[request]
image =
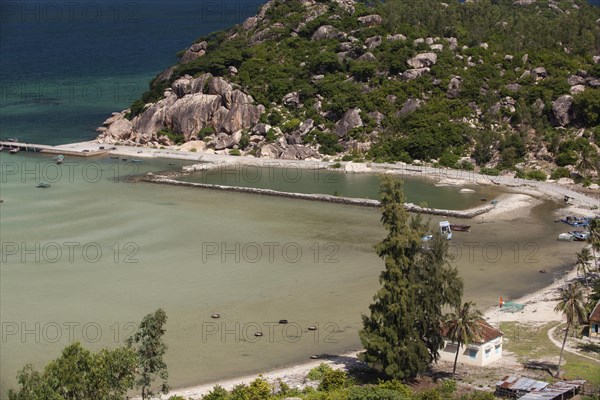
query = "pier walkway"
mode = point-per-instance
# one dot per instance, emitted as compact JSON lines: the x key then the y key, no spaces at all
{"x":42,"y":148}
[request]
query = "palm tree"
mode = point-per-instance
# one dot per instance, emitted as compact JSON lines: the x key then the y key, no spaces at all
{"x":464,"y":326}
{"x":572,"y":306}
{"x":583,"y":259}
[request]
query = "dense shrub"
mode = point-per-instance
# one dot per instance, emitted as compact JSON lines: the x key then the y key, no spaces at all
{"x":176,"y":138}
{"x":334,"y":379}
{"x":490,"y":171}
{"x":560,"y":172}
{"x":536,"y":175}
{"x":587,"y":106}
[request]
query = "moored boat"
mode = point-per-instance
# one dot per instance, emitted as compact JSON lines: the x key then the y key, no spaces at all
{"x":446,"y":230}
{"x":576,"y":221}
{"x":460,"y":228}
{"x":43,"y":185}
{"x":14,"y":151}
{"x":580,"y":236}
{"x":566,"y":237}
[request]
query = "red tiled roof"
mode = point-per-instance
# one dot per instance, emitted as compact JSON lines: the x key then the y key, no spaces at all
{"x":595,"y":315}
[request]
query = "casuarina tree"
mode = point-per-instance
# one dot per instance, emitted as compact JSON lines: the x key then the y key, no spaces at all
{"x":402,"y":334}
{"x":150,"y":347}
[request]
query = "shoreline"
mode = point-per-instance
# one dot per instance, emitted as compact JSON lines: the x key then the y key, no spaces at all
{"x":581,"y":203}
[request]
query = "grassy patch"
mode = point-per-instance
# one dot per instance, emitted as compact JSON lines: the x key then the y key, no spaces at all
{"x":530,"y":343}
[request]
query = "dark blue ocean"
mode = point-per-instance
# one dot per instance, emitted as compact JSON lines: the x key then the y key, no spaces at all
{"x":65,"y":65}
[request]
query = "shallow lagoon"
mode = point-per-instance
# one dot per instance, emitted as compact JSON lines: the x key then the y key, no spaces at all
{"x":291,"y":178}
{"x":253,"y":259}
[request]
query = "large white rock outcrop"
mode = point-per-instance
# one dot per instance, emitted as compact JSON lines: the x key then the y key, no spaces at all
{"x":561,"y":108}
{"x":350,"y":120}
{"x":191,"y":105}
{"x":422,"y":60}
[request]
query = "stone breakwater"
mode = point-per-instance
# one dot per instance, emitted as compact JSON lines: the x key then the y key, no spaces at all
{"x":470,"y":213}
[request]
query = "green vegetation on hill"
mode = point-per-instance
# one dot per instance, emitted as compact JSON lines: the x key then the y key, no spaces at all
{"x":485,"y":97}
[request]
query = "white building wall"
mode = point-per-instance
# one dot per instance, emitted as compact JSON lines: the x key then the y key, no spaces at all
{"x":478,"y":355}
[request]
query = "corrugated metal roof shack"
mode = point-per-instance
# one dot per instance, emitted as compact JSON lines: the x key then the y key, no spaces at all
{"x":529,"y":389}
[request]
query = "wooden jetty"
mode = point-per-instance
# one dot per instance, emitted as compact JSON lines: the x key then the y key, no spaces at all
{"x":47,"y":149}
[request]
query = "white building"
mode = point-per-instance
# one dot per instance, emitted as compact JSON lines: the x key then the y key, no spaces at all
{"x":487,"y":349}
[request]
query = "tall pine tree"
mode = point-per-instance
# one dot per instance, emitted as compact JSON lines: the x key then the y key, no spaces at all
{"x":402,"y":334}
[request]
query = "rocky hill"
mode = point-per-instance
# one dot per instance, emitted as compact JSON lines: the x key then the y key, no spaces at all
{"x":502,"y":84}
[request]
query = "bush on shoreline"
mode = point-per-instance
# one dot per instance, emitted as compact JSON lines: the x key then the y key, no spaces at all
{"x":335,"y":384}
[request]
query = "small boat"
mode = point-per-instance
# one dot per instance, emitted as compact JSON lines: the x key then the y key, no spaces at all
{"x":13,"y":140}
{"x":566,"y":237}
{"x":14,"y":151}
{"x":460,"y":228}
{"x":59,"y":162}
{"x":575,"y":221}
{"x":124,"y":159}
{"x":446,"y":230}
{"x":59,"y":159}
{"x":134,"y":160}
{"x":43,"y":185}
{"x":114,"y":157}
{"x":580,"y":236}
